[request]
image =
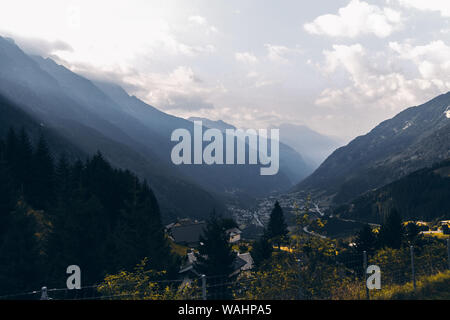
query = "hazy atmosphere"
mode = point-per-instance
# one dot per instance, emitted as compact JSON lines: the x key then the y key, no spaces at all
{"x":339,"y":67}
{"x":263,"y":153}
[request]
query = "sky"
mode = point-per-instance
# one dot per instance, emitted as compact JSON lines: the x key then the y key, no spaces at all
{"x":337,"y":66}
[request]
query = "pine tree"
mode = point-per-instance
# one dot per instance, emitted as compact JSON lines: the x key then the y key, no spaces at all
{"x":11,"y":147}
{"x":216,"y":256}
{"x":277,"y":228}
{"x":6,"y":190}
{"x":24,"y":158}
{"x":76,"y":175}
{"x":18,"y":157}
{"x":62,"y":178}
{"x":262,"y":250}
{"x":366,"y":240}
{"x":412,"y":233}
{"x":20,"y":263}
{"x":80,"y":234}
{"x":140,"y":233}
{"x":42,"y":183}
{"x":392,"y":231}
{"x":159,"y":248}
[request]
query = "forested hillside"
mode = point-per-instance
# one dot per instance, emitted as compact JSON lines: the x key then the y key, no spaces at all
{"x":54,"y":213}
{"x":423,"y":194}
{"x":82,"y":116}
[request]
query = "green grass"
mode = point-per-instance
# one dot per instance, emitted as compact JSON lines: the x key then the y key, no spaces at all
{"x":435,"y":287}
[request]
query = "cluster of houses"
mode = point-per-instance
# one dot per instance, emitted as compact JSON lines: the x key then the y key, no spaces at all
{"x":187,"y":232}
{"x":442,"y":228}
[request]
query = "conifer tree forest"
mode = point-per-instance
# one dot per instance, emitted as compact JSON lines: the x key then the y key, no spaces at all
{"x":55,"y":213}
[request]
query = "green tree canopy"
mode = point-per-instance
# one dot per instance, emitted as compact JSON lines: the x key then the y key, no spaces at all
{"x":216,"y":256}
{"x":392,"y":231}
{"x":366,"y":240}
{"x":262,"y":250}
{"x":277,"y":226}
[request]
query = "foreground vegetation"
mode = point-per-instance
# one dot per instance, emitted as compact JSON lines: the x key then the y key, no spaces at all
{"x":434,"y":287}
{"x":298,"y":266}
{"x":54,"y":214}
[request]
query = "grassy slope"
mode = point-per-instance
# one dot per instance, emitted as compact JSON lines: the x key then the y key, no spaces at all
{"x":435,"y":287}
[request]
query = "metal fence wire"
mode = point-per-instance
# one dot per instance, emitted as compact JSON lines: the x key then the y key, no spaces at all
{"x":405,"y":266}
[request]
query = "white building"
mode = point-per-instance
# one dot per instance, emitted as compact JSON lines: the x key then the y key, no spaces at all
{"x":234,"y":235}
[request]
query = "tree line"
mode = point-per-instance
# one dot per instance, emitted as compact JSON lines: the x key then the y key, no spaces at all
{"x":55,"y":212}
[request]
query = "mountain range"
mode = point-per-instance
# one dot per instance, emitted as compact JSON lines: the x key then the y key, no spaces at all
{"x":83,"y":116}
{"x":313,"y":146}
{"x":96,"y":116}
{"x":416,"y":138}
{"x":291,"y":161}
{"x":80,"y":117}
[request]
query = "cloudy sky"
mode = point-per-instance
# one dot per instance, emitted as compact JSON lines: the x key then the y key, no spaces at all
{"x":338,"y":66}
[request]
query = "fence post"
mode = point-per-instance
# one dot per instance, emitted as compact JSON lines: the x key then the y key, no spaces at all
{"x":44,"y":294}
{"x":412,"y":267}
{"x":300,"y":292}
{"x":365,"y":274}
{"x":448,"y":252}
{"x":204,"y":287}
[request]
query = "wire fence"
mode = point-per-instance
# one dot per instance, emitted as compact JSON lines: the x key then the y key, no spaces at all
{"x":341,"y":277}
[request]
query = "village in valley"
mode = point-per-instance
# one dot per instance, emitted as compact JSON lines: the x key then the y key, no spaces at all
{"x":185,"y":234}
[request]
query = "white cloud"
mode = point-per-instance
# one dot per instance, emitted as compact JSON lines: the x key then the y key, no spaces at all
{"x":193,"y":51}
{"x":201,"y":21}
{"x":39,"y":46}
{"x":145,"y":32}
{"x":246,"y":57}
{"x":247,"y":117}
{"x":171,"y":54}
{"x":443,"y":6}
{"x":356,"y":19}
{"x":279,"y":53}
{"x":275,"y":53}
{"x":432,"y":59}
{"x":198,"y":20}
{"x":348,"y":57}
{"x":180,"y":89}
{"x":377,"y":83}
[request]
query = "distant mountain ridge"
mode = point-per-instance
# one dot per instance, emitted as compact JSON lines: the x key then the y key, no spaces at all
{"x":313,"y":146}
{"x":291,"y":161}
{"x":219,"y":124}
{"x":220,"y":179}
{"x":415,"y":138}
